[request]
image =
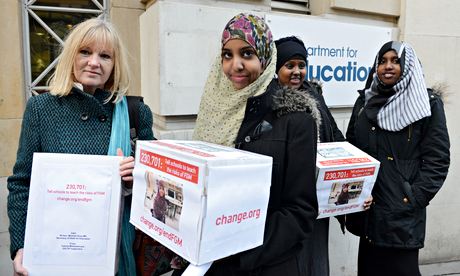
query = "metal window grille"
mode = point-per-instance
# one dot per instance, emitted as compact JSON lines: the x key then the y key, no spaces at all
{"x":45,"y":25}
{"x":295,"y":6}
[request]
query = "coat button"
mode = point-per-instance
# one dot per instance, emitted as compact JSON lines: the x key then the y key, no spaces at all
{"x":247,"y":139}
{"x":102,"y":118}
{"x":253,"y":109}
{"x":405,"y":200}
{"x":84,"y":116}
{"x":373,"y":128}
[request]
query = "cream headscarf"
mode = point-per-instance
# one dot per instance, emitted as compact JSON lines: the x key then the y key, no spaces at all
{"x":222,"y":107}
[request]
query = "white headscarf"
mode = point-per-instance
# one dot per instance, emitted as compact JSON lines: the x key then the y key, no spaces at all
{"x":410,"y":101}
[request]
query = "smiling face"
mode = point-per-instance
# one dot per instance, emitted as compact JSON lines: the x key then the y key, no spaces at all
{"x":389,"y":69}
{"x":292,"y":73}
{"x":240,"y":63}
{"x":93,"y":66}
{"x":161,"y":191}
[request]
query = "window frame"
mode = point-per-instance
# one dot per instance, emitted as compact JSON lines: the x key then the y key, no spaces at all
{"x":294,"y":6}
{"x":28,"y":9}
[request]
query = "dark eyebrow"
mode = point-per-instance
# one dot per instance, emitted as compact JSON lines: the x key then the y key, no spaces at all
{"x":247,"y":48}
{"x":242,"y":49}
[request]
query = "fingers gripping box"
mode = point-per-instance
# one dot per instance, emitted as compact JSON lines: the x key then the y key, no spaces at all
{"x":203,"y":201}
{"x":345,"y":178}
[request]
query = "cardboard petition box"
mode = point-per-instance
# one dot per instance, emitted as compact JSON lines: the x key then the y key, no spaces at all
{"x":215,"y":197}
{"x":345,"y":178}
{"x":73,"y":215}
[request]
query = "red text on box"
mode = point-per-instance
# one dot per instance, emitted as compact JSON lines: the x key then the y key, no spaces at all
{"x":170,"y":166}
{"x":346,"y":161}
{"x":350,"y":173}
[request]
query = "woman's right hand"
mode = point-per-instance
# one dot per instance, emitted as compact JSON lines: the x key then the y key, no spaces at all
{"x":368,"y":203}
{"x":126,"y":169}
{"x":19,"y":270}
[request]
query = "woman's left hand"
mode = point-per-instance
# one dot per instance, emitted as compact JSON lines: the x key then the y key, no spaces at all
{"x":126,"y":169}
{"x":368,"y":202}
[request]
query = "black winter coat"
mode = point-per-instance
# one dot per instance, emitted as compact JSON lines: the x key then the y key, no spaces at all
{"x":329,"y":132}
{"x":316,"y":249}
{"x":280,"y":123}
{"x":413,"y":166}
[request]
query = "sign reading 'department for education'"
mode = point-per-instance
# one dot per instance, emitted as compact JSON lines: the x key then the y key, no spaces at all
{"x":340,"y":55}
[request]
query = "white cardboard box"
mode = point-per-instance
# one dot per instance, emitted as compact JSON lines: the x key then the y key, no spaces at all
{"x":216,"y":196}
{"x":345,"y":178}
{"x":73,"y":215}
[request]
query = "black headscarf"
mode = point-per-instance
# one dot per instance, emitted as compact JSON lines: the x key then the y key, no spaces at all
{"x":393,"y":107}
{"x":289,"y":48}
{"x":384,"y":91}
{"x":400,"y":50}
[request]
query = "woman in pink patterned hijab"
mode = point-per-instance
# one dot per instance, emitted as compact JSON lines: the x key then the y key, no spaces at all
{"x":254,"y":31}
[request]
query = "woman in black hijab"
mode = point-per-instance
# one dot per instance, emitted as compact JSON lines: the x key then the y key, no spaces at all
{"x":402,"y":124}
{"x":291,"y":68}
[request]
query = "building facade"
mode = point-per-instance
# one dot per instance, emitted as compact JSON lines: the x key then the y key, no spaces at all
{"x":158,"y":35}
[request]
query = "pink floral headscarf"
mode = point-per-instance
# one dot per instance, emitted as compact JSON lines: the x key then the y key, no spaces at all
{"x":254,"y":31}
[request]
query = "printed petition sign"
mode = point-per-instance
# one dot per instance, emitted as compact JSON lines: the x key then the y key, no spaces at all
{"x":340,"y":55}
{"x":73,"y":214}
{"x":203,"y":201}
{"x":345,"y":178}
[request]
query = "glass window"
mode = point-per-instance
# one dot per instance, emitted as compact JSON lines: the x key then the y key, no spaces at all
{"x":294,"y":6}
{"x":85,"y":4}
{"x":46,"y":23}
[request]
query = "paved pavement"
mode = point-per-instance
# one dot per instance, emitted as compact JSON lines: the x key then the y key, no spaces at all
{"x":438,"y":269}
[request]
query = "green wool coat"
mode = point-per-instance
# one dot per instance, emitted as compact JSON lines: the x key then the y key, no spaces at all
{"x":79,"y":123}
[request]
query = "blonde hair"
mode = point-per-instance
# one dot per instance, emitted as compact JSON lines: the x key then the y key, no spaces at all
{"x":98,"y":31}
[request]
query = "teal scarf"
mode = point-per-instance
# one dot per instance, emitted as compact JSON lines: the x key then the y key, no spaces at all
{"x":120,"y":138}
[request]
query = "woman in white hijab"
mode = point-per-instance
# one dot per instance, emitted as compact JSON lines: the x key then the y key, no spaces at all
{"x":402,"y":124}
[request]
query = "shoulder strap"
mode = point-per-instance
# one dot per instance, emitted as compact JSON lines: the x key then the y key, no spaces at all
{"x":133,"y":111}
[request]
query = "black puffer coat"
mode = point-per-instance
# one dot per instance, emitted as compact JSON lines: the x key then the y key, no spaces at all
{"x":281,"y":123}
{"x":414,"y":165}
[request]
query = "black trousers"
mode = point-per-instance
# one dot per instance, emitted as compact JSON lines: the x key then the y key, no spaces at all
{"x":382,"y":261}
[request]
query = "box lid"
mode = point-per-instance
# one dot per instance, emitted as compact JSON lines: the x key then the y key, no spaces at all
{"x":340,"y":154}
{"x":208,"y":153}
